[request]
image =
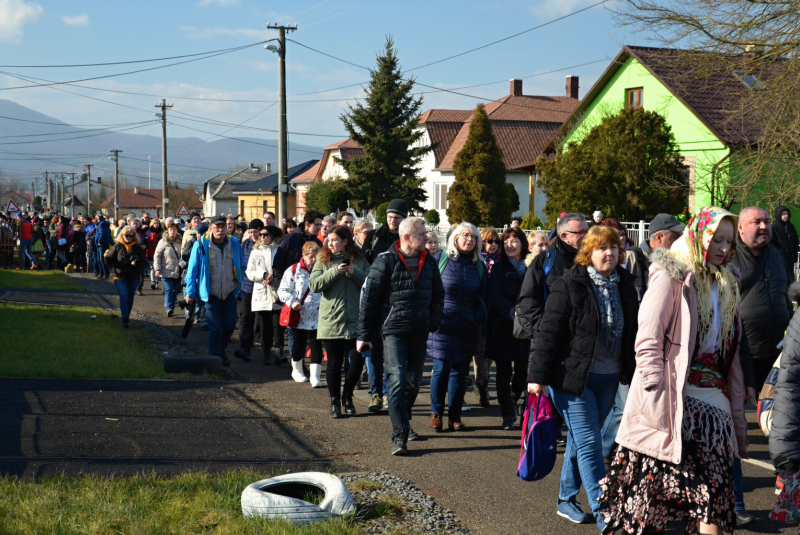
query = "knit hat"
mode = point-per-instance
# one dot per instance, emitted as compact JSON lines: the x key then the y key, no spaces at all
{"x":597,"y":213}
{"x":398,"y":206}
{"x":256,"y":224}
{"x":272,"y":230}
{"x":202,"y":229}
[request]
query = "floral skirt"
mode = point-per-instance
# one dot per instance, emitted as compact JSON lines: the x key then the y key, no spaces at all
{"x":787,"y":507}
{"x":643,"y":492}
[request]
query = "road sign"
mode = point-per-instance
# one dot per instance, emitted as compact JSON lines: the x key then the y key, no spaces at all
{"x":183,"y":211}
{"x":12,"y":207}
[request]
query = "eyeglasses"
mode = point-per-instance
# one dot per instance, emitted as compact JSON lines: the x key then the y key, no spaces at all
{"x":579,"y":233}
{"x":492,"y":241}
{"x":469,"y":237}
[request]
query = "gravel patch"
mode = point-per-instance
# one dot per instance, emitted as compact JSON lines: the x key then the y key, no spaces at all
{"x":387,"y":503}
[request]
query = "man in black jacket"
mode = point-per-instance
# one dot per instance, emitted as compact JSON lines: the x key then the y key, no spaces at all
{"x":784,"y":237}
{"x":290,"y":250}
{"x":403,"y":296}
{"x":380,"y":240}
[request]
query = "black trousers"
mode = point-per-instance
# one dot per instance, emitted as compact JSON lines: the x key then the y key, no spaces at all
{"x":509,"y":389}
{"x":761,"y":369}
{"x":246,"y":320}
{"x":304,"y":339}
{"x":338,"y":351}
{"x":271,"y":330}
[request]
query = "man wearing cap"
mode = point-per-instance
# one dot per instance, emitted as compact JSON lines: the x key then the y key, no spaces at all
{"x":290,"y":250}
{"x":246,"y":315}
{"x":664,"y":230}
{"x":215,"y":275}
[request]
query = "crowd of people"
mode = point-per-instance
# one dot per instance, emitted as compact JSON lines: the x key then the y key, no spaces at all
{"x":648,"y":352}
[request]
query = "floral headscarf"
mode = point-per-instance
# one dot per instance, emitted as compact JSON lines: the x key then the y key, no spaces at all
{"x":701,"y":229}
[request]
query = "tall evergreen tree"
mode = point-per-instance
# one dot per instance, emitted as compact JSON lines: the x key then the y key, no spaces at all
{"x":480,"y":194}
{"x":384,"y":125}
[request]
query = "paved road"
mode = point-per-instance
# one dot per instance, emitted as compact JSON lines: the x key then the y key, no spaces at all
{"x":260,"y":417}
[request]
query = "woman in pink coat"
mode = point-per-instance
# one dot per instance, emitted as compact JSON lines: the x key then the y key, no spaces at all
{"x":684,"y":419}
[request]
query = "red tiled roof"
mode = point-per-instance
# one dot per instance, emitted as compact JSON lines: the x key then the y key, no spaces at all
{"x":146,"y":199}
{"x":350,"y":153}
{"x":307,"y":176}
{"x":444,"y":116}
{"x":345,"y":143}
{"x":532,"y":108}
{"x":442,"y":136}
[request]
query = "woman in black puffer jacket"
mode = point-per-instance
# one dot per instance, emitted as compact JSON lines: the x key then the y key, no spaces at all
{"x":126,"y":259}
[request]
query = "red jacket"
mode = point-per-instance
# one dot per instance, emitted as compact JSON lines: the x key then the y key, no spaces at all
{"x":25,"y":230}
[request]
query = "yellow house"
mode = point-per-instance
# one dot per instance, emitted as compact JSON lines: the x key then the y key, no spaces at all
{"x":255,"y":198}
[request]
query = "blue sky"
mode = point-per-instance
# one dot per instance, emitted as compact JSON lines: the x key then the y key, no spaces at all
{"x":48,"y":32}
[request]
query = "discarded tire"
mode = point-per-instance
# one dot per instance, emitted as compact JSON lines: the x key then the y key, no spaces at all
{"x":282,"y":497}
{"x":193,"y":364}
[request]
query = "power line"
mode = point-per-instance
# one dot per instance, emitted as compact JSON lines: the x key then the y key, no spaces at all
{"x":223,"y":123}
{"x":172,"y":164}
{"x":62,"y":133}
{"x":76,"y":137}
{"x":242,"y":140}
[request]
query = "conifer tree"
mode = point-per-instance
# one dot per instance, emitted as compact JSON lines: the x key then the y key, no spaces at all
{"x":480,"y":194}
{"x":384,"y":126}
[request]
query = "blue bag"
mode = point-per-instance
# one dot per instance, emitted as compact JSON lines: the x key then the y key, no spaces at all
{"x":539,"y":432}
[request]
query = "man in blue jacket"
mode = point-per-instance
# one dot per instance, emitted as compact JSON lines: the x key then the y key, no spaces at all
{"x":102,"y":241}
{"x":214,"y":275}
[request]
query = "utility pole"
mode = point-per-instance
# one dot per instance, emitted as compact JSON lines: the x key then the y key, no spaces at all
{"x":88,"y":188}
{"x":116,"y":181}
{"x":63,"y":208}
{"x":163,"y":115}
{"x":283,"y":149}
{"x":148,"y":173}
{"x":72,"y":200}
{"x":49,"y":190}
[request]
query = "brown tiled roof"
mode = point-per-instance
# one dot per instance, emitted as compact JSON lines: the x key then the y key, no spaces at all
{"x":146,"y":199}
{"x":350,"y":153}
{"x":307,"y":176}
{"x":442,"y":135}
{"x":532,"y":108}
{"x":345,"y":143}
{"x":444,"y":116}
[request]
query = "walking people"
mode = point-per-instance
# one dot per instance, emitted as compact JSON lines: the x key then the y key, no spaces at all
{"x":509,"y":353}
{"x":25,"y":231}
{"x":432,"y":246}
{"x":295,"y":293}
{"x":583,"y":348}
{"x":338,"y":275}
{"x":125,"y":258}
{"x":481,"y":364}
{"x":244,"y":305}
{"x":265,"y":300}
{"x":537,"y":242}
{"x":166,"y":266}
{"x":360,"y":231}
{"x":402,"y":300}
{"x":452,"y":345}
{"x":784,"y":237}
{"x":154,"y":232}
{"x":214,"y":276}
{"x":290,"y":250}
{"x":64,"y":241}
{"x":684,"y":419}
{"x":78,"y":247}
{"x":102,"y":241}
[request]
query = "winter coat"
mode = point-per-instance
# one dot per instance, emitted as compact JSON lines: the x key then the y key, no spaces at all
{"x":784,"y":239}
{"x":378,"y":241}
{"x":53,"y":231}
{"x":784,"y":436}
{"x":167,"y":259}
{"x":198,"y":284}
{"x":665,"y":343}
{"x":247,"y":248}
{"x":531,"y":295}
{"x":259,"y":266}
{"x":102,"y":235}
{"x":564,"y":344}
{"x":153,"y":239}
{"x":63,"y":234}
{"x":766,"y":310}
{"x":291,"y":290}
{"x":119,"y":259}
{"x":79,"y":239}
{"x":466,"y":292}
{"x":393,"y":304}
{"x":639,"y":267}
{"x":504,"y":286}
{"x":338,"y":309}
{"x":290,"y":250}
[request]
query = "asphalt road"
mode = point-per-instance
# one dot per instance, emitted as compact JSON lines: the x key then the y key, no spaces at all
{"x":260,"y":418}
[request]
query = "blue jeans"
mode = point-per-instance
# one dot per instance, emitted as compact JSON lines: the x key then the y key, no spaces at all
{"x":51,"y":252}
{"x":25,"y":252}
{"x":614,"y":418}
{"x":583,"y":415}
{"x":221,"y":317}
{"x":171,"y":288}
{"x":738,"y":485}
{"x":102,"y":267}
{"x":404,"y":361}
{"x":375,"y":367}
{"x":450,"y":379}
{"x":126,"y":291}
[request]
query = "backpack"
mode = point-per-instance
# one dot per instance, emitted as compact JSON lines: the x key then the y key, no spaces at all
{"x":549,"y":260}
{"x":766,"y":398}
{"x":480,"y":266}
{"x":539,"y":432}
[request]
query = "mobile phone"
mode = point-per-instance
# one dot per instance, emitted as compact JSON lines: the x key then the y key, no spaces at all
{"x":346,"y":261}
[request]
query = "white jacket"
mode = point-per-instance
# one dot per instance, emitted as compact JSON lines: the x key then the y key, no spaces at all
{"x":258,"y":267}
{"x":291,"y":290}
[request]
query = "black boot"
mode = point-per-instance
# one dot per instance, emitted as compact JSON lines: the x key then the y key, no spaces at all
{"x":347,"y":402}
{"x":483,"y":392}
{"x":336,"y":411}
{"x":267,"y":357}
{"x":277,"y":358}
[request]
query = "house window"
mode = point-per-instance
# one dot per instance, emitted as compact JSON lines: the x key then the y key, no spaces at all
{"x":440,"y":196}
{"x":635,"y":98}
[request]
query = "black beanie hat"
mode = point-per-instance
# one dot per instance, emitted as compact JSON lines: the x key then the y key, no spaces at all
{"x":272,"y":230}
{"x":398,"y":206}
{"x":256,"y":224}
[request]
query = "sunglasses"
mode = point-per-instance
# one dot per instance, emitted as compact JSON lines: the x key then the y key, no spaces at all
{"x":493,"y":241}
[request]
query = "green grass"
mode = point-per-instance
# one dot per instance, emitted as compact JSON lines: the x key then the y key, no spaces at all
{"x":64,"y":342}
{"x":365,"y":484}
{"x":38,"y":280}
{"x":189,"y":503}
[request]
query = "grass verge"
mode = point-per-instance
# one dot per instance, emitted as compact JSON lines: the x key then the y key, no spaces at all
{"x":38,"y":280}
{"x":64,"y":342}
{"x":193,"y":502}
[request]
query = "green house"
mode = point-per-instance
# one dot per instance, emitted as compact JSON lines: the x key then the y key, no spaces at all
{"x":702,"y":110}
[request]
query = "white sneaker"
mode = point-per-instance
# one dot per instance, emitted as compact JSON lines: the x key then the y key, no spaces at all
{"x":316,"y":373}
{"x":297,"y":372}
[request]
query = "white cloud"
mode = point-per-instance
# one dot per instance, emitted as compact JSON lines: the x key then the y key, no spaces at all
{"x":223,"y":3}
{"x":209,"y":33}
{"x":14,"y":14}
{"x":76,"y":20}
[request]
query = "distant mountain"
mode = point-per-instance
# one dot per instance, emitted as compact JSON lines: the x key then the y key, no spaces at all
{"x":19,"y":126}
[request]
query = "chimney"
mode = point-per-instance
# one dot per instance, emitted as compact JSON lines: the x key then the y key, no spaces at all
{"x":572,"y":86}
{"x":753,"y":51}
{"x":516,"y":87}
{"x":268,"y":167}
{"x":252,"y":165}
{"x":136,"y":191}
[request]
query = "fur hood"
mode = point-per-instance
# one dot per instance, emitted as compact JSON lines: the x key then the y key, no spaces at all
{"x":529,"y":259}
{"x":670,"y":263}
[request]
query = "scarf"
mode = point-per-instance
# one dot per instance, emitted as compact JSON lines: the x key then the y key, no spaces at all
{"x":609,"y":303}
{"x":518,"y":266}
{"x":692,"y":250}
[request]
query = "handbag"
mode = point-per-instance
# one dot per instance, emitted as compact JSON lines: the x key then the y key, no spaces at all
{"x":539,"y":432}
{"x":62,"y":241}
{"x":766,"y":398}
{"x":289,"y":316}
{"x":519,"y":331}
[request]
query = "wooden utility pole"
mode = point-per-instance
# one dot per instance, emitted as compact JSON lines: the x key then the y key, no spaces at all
{"x":163,"y":115}
{"x":116,"y":181}
{"x":88,"y":188}
{"x":283,"y":147}
{"x":72,"y":200}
